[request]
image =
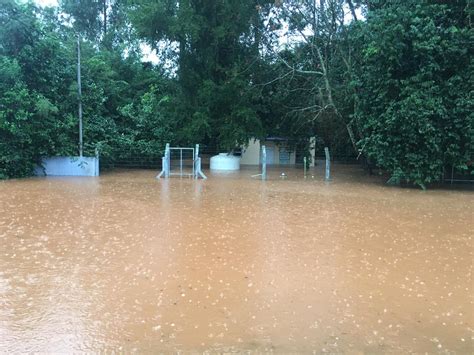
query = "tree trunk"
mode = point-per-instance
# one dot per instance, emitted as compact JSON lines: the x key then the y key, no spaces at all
{"x":351,"y":6}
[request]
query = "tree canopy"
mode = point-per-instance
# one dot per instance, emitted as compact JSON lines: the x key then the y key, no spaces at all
{"x":390,"y":81}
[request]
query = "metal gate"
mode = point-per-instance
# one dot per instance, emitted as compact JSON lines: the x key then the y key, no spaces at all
{"x":182,"y":162}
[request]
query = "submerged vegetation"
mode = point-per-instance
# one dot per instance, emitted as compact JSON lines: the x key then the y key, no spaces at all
{"x":389,"y":81}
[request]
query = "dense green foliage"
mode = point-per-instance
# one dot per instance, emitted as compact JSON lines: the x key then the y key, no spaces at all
{"x":38,"y":92}
{"x":390,"y":81}
{"x":415,"y":83}
{"x":215,"y":43}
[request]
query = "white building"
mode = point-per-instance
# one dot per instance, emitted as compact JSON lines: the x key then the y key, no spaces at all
{"x":277,"y":149}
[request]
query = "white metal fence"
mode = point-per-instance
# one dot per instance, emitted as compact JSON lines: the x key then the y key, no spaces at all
{"x":181,"y":162}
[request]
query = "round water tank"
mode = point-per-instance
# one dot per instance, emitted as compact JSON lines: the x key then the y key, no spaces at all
{"x":224,"y":161}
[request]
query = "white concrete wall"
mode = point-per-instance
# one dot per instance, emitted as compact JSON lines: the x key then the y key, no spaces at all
{"x":251,"y":154}
{"x":69,"y":166}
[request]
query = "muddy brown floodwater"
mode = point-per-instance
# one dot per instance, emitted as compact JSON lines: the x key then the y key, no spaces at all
{"x":125,"y":262}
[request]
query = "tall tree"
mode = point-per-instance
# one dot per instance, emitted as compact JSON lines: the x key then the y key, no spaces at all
{"x":415,"y":85}
{"x":317,"y":63}
{"x":214,"y":43}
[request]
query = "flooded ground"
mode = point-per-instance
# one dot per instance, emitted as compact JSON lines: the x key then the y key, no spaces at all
{"x":127,"y":263}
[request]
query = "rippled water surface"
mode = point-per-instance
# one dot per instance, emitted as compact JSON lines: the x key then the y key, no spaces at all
{"x":127,"y":262}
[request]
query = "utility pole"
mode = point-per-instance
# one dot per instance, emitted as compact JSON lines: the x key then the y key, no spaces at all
{"x":105,"y":17}
{"x":79,"y":92}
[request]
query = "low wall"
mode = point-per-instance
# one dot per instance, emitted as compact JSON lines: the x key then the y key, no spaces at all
{"x":69,"y":166}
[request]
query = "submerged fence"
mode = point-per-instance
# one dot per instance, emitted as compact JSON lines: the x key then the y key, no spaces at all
{"x":131,"y":160}
{"x":451,"y":176}
{"x":181,"y":161}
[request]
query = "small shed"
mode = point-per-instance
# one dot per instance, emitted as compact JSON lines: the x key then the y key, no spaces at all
{"x":278,"y":149}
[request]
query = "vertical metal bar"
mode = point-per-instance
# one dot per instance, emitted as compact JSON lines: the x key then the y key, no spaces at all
{"x":198,"y":169}
{"x":264,"y":163}
{"x":193,"y":163}
{"x":168,"y":160}
{"x":304,"y":163}
{"x":328,"y":163}
{"x":181,"y":162}
{"x":164,"y":164}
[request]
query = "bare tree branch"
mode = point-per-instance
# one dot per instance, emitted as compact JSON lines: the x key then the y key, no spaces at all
{"x":351,"y":6}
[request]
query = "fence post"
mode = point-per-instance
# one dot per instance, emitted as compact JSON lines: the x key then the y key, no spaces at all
{"x":196,"y":166}
{"x":264,"y":163}
{"x":167,"y":157}
{"x":304,"y":166}
{"x":328,"y":163}
{"x":96,"y":166}
{"x":165,"y":163}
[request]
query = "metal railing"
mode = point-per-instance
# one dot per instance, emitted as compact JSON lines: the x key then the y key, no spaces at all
{"x":451,"y":176}
{"x":182,"y":162}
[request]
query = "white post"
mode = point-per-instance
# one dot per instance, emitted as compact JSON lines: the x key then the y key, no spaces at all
{"x":264,"y":163}
{"x":312,"y":151}
{"x":328,"y":163}
{"x":197,"y":165}
{"x":195,"y":162}
{"x":168,"y":160}
{"x":165,"y":163}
